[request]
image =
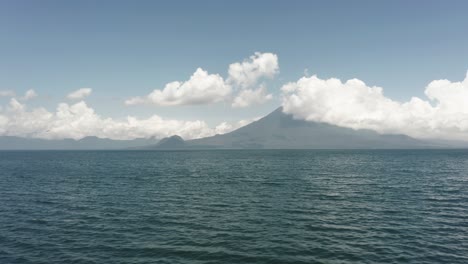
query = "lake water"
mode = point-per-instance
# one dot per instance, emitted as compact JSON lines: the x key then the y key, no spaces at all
{"x":266,"y":206}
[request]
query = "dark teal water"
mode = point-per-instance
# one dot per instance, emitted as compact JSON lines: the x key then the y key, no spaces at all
{"x":234,"y":207}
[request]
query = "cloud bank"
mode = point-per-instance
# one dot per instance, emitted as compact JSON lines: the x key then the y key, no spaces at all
{"x":353,"y":104}
{"x":442,"y":113}
{"x":240,"y":89}
{"x":78,"y":120}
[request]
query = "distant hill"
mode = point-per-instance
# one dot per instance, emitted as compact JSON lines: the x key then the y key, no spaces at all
{"x":87,"y":143}
{"x":281,"y":131}
{"x":274,"y":131}
{"x":173,"y":142}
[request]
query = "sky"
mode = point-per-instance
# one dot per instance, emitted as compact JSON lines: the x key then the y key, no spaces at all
{"x":126,"y":69}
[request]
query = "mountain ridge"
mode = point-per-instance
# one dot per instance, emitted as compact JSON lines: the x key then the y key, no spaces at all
{"x":278,"y":130}
{"x":86,"y":143}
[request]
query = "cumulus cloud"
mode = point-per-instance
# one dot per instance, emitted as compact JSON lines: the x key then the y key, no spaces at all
{"x":78,"y":120}
{"x":247,"y":73}
{"x":246,"y":76}
{"x":30,"y":94}
{"x":79,"y":94}
{"x":353,"y":104}
{"x":205,"y":88}
{"x":201,"y":88}
{"x":7,"y":93}
{"x":247,"y":97}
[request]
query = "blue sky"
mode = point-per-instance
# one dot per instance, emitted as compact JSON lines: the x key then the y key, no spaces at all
{"x":123,"y":49}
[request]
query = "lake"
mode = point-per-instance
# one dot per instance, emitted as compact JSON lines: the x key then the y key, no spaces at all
{"x":234,"y":206}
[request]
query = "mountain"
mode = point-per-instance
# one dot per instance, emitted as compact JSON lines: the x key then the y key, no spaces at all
{"x":87,"y":143}
{"x":173,"y":142}
{"x":274,"y":131}
{"x":281,"y":131}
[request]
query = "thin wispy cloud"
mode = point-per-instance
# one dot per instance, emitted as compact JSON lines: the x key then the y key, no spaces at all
{"x":80,"y":94}
{"x":7,"y":93}
{"x":30,"y":94}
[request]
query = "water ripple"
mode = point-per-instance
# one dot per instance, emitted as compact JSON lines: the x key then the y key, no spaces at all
{"x":234,"y":206}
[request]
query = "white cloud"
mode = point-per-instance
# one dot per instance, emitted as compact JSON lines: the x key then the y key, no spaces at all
{"x":30,"y":94}
{"x":226,"y":127}
{"x":7,"y":93}
{"x":78,"y":120}
{"x":245,"y":122}
{"x":247,"y":73}
{"x":201,"y":88}
{"x":15,"y":106}
{"x":246,"y":76}
{"x":247,"y":97}
{"x":354,"y":104}
{"x":79,"y":94}
{"x":135,"y":101}
{"x":204,"y":88}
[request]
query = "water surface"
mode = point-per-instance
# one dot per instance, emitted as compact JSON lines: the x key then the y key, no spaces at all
{"x":268,"y":206}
